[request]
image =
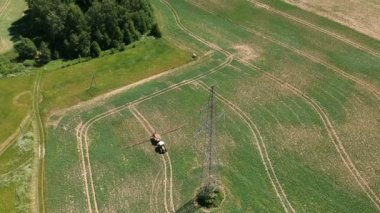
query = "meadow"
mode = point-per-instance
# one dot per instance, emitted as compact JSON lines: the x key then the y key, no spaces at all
{"x":300,"y":96}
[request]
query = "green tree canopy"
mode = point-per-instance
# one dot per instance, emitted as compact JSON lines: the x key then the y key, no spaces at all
{"x":26,"y":48}
{"x":45,"y":53}
{"x":70,"y":27}
{"x":95,"y":49}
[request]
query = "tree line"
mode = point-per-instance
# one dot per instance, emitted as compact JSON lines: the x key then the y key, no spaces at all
{"x":70,"y":29}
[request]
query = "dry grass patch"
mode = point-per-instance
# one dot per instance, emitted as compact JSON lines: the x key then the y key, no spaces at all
{"x":361,"y":15}
{"x":246,"y":52}
{"x":360,"y":135}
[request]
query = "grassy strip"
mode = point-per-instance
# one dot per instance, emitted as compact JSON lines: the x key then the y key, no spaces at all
{"x":12,"y":109}
{"x":67,"y":86}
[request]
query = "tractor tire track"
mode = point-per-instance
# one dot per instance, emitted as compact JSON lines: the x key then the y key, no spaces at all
{"x":328,"y":124}
{"x":79,"y":129}
{"x":317,"y":28}
{"x":100,"y":116}
{"x":40,"y":133}
{"x":165,"y":184}
{"x":152,"y":193}
{"x":84,"y":135}
{"x":332,"y":134}
{"x":149,"y":129}
{"x":4,"y":7}
{"x":261,"y":147}
{"x":147,"y":125}
{"x":279,"y":191}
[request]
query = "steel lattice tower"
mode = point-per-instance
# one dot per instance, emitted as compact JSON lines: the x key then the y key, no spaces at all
{"x":209,"y":179}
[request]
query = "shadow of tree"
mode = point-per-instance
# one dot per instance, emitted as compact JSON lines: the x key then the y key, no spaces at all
{"x":21,"y":27}
{"x":188,"y":207}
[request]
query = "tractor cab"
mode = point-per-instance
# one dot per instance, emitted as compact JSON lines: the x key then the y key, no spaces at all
{"x":158,"y":142}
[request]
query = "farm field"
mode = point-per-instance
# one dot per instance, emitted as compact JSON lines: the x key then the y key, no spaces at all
{"x":300,"y":95}
{"x":360,"y":15}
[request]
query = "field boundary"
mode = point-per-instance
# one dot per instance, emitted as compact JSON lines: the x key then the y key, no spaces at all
{"x":368,"y":86}
{"x":317,"y":28}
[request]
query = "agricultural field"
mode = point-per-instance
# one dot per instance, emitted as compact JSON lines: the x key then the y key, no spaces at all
{"x":360,"y":15}
{"x":299,"y":98}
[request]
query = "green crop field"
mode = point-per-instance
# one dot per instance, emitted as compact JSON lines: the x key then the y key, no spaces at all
{"x":299,"y":98}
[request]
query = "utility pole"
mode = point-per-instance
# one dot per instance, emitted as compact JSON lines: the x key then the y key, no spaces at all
{"x":93,"y":80}
{"x":210,"y":194}
{"x":209,"y":170}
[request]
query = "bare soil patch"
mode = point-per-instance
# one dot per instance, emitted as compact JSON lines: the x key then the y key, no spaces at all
{"x":361,"y":15}
{"x":245,"y":52}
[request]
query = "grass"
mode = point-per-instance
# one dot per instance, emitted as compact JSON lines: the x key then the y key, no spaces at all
{"x":10,"y":11}
{"x":148,"y":58}
{"x":15,"y":175}
{"x":11,"y":115}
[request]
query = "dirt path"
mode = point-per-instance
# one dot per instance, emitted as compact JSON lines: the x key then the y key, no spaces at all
{"x":40,"y":198}
{"x":315,"y":27}
{"x":9,"y":141}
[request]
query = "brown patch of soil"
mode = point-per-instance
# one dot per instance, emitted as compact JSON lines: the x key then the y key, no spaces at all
{"x":361,"y":15}
{"x":245,"y":52}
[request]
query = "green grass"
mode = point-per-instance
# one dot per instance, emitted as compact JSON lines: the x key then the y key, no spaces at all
{"x":15,"y":175}
{"x":11,"y":115}
{"x":67,"y":86}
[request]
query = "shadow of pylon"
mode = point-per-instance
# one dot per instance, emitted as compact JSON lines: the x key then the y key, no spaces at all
{"x":188,"y":207}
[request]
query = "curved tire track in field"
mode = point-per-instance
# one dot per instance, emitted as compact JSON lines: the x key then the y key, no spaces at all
{"x":261,"y":147}
{"x":86,"y":167}
{"x":273,"y":178}
{"x":371,"y":88}
{"x":332,"y":134}
{"x":149,"y":128}
{"x":317,"y":28}
{"x":79,"y":129}
{"x":325,"y":119}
